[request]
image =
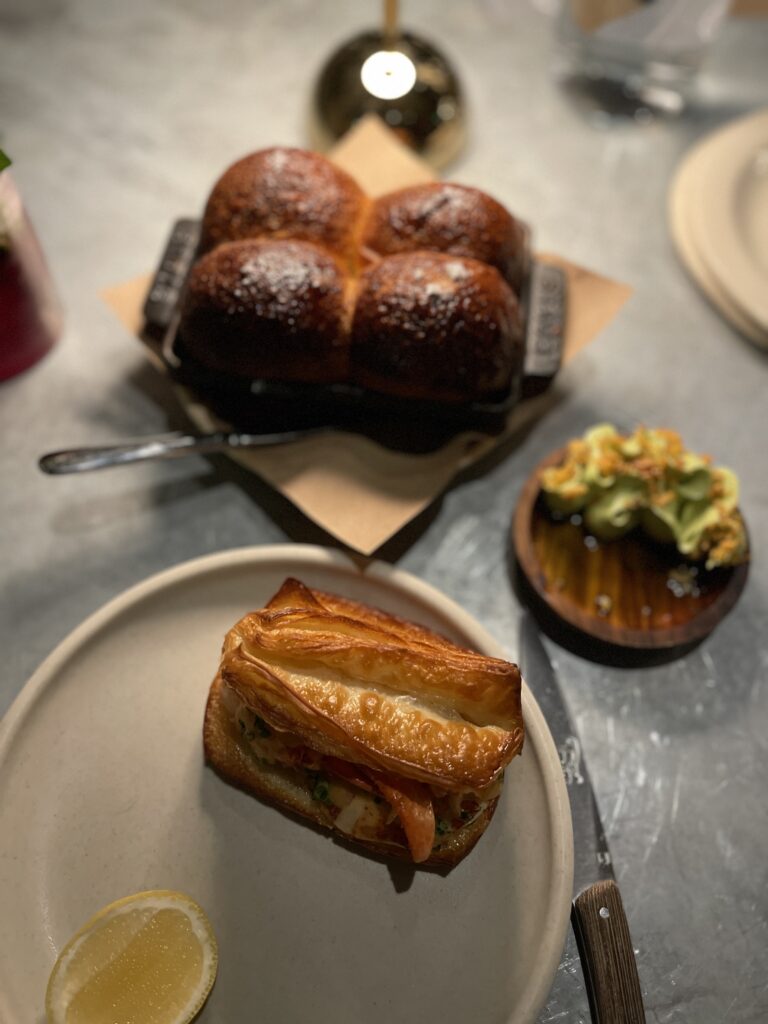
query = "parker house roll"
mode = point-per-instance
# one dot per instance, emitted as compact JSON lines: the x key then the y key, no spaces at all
{"x":302,"y":278}
{"x":439,"y":327}
{"x":375,"y":728}
{"x":268,"y":309}
{"x":285,"y":193}
{"x":452,"y":219}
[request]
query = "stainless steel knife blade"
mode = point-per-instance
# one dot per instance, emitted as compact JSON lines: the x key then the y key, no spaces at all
{"x":592,"y":858}
{"x":597,"y":914}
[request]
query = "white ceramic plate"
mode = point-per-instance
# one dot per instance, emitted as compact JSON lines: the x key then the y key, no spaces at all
{"x":729,"y":212}
{"x":103,"y":792}
{"x":681,"y":214}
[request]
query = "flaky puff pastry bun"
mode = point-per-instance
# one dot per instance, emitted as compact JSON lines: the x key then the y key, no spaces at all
{"x":367,"y":687}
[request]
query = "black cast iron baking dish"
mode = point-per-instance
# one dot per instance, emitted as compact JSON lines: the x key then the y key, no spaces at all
{"x":412,"y":424}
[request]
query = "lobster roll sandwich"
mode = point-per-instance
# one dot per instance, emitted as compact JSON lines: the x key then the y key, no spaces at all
{"x":371,"y":726}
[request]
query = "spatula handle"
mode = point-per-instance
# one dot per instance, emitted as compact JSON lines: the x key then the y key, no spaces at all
{"x":165,"y":446}
{"x":607,"y":956}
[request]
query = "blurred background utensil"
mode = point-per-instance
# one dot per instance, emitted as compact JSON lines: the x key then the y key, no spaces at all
{"x":403,"y":78}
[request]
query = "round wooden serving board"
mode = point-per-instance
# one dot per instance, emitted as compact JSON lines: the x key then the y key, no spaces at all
{"x":630,"y":593}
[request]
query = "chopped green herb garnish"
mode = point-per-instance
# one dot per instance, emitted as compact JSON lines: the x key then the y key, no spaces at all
{"x":5,"y":160}
{"x":441,"y":826}
{"x":321,"y":791}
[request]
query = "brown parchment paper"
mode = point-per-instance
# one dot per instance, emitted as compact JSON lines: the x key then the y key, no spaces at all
{"x":749,"y":8}
{"x":351,"y":486}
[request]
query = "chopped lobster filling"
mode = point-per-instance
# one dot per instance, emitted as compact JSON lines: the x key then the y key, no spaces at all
{"x":412,"y":802}
{"x":352,"y":773}
{"x":425,"y":814}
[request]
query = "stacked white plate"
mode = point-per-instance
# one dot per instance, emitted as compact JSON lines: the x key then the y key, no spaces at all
{"x":718,"y":207}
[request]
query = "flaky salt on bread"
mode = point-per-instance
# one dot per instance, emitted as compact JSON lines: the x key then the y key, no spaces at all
{"x":390,"y":267}
{"x":453,"y":219}
{"x":266,"y":308}
{"x":283,"y":192}
{"x":366,"y":724}
{"x":435,"y":327}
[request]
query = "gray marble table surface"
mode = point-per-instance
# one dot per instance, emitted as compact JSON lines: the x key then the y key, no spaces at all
{"x":119,"y":116}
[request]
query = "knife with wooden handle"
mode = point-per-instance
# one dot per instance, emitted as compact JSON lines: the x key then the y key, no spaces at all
{"x":597,"y":914}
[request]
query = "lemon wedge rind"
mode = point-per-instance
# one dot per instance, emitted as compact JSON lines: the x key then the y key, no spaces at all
{"x":69,"y":970}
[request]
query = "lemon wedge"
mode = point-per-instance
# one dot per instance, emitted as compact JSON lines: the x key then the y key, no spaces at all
{"x":150,"y":958}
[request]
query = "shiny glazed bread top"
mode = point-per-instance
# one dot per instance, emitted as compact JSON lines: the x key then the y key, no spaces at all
{"x":452,"y":219}
{"x":264,"y":308}
{"x":412,"y":295}
{"x":432,"y":326}
{"x":285,"y":193}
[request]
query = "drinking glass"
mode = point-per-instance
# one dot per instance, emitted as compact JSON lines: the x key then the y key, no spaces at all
{"x":646,"y":51}
{"x":30,"y":314}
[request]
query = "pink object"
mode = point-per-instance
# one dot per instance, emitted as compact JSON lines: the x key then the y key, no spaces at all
{"x":30,"y":314}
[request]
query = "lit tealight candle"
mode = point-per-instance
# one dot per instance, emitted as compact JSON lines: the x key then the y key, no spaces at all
{"x":388,"y":74}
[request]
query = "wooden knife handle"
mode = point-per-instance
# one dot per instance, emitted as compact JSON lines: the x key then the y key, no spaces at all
{"x":607,"y":956}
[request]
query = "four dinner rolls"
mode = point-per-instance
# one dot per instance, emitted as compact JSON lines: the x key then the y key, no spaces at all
{"x":301,"y":277}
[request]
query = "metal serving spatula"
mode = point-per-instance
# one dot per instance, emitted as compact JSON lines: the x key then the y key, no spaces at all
{"x":167,"y":446}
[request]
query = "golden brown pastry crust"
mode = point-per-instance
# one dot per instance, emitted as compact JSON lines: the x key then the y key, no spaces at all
{"x":295,"y":594}
{"x":368,"y":688}
{"x":228,"y":754}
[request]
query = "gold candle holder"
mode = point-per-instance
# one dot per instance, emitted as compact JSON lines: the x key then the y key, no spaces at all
{"x":402,"y":78}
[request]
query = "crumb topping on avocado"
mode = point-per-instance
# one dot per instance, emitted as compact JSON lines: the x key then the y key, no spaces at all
{"x":648,"y":479}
